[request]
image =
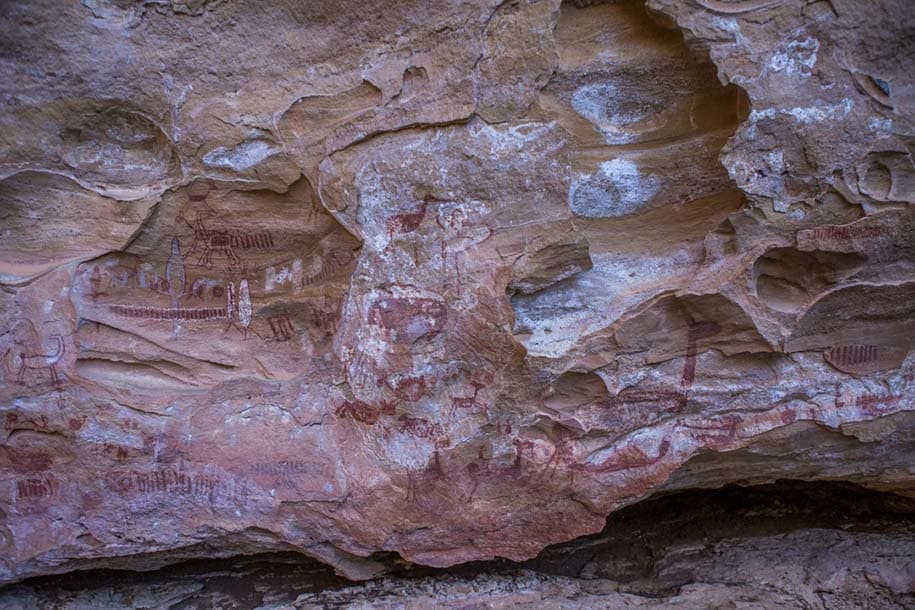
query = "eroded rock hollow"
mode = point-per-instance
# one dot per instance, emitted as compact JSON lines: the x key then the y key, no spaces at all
{"x":447,"y":280}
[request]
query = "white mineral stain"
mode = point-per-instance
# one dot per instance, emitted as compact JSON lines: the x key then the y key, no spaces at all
{"x":241,"y":157}
{"x":880,"y":124}
{"x":407,"y":452}
{"x":511,"y":138}
{"x":726,"y":24}
{"x":797,"y":58}
{"x":616,"y":189}
{"x":818,"y":114}
{"x":601,"y":104}
{"x":775,"y":159}
{"x":806,"y":114}
{"x":558,"y":317}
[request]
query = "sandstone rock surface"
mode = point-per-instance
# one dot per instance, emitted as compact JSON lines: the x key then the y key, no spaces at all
{"x":788,"y":545}
{"x":448,"y":280}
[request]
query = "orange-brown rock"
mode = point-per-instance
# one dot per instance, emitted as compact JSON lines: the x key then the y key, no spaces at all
{"x":448,"y":280}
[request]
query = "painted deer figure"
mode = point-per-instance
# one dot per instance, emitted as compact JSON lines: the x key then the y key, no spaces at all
{"x":627,"y":458}
{"x":42,"y":361}
{"x":407,"y":222}
{"x":467,"y":402}
{"x":720,"y":434}
{"x":209,"y":242}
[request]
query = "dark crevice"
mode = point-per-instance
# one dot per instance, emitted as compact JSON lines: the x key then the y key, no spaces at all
{"x":633,"y":550}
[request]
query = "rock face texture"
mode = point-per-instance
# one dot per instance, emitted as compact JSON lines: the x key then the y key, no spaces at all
{"x":789,"y":545}
{"x":451,"y":280}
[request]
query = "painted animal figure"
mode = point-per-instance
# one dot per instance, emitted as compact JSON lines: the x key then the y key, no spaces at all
{"x":42,"y":361}
{"x":409,"y":389}
{"x":697,"y":330}
{"x":457,"y":238}
{"x":563,"y":453}
{"x":627,"y":458}
{"x":717,"y":434}
{"x":417,"y":481}
{"x":409,"y":221}
{"x":478,"y":470}
{"x":522,"y":445}
{"x":209,"y":242}
{"x":363,"y":412}
{"x":481,"y":469}
{"x":872,"y":403}
{"x":219,"y":242}
{"x":419,"y":427}
{"x":467,"y":402}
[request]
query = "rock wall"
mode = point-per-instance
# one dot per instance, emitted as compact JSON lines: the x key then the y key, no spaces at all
{"x":451,"y":280}
{"x":788,"y":545}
